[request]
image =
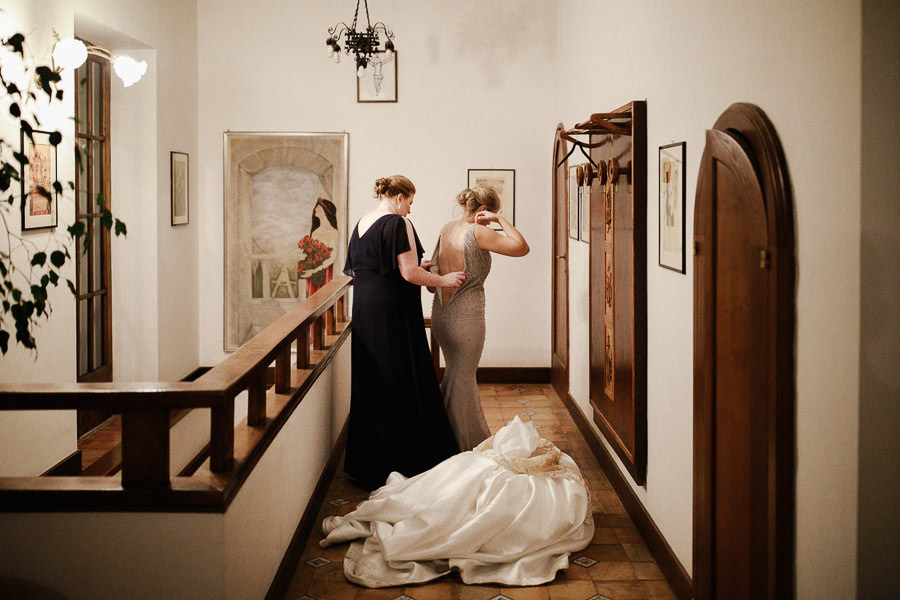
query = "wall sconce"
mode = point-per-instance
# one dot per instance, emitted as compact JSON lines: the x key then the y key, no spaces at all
{"x":70,"y":53}
{"x":362,"y":44}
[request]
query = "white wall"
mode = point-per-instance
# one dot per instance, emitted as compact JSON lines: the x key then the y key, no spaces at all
{"x":460,"y":79}
{"x":800,"y":63}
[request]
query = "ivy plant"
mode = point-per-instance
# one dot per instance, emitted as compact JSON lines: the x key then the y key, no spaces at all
{"x":30,"y":265}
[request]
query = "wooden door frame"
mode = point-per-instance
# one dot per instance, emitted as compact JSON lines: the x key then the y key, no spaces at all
{"x":749,"y":125}
{"x":560,"y":385}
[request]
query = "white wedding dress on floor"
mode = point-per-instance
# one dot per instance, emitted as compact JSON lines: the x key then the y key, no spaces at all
{"x":510,"y":511}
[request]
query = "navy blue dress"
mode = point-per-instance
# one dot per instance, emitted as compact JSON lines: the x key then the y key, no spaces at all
{"x":397,"y":417}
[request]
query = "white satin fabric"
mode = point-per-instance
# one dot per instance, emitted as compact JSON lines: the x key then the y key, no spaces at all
{"x":510,"y":511}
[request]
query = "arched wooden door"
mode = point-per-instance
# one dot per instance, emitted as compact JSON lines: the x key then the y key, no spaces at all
{"x":743,"y":363}
{"x":559,"y":354}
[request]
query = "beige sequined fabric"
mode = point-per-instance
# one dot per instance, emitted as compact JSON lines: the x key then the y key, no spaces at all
{"x":458,"y":327}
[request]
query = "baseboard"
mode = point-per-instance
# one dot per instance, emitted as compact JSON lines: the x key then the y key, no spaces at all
{"x":282,"y":580}
{"x":509,"y":374}
{"x":668,"y":563}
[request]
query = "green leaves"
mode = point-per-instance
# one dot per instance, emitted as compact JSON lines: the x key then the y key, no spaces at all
{"x":25,"y":299}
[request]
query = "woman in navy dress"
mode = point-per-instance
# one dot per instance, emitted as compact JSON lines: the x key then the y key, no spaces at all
{"x":397,"y":417}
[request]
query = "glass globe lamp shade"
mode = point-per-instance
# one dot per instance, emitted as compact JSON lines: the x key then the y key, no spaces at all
{"x":69,"y":53}
{"x":129,"y":70}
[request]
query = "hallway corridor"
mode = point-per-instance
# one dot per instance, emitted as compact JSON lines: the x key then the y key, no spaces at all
{"x":616,"y":566}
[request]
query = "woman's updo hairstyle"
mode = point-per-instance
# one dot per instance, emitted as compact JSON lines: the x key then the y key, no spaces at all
{"x":393,"y":185}
{"x":480,"y":195}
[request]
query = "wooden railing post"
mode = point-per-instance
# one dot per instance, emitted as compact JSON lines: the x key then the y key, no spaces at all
{"x":318,"y":334}
{"x":145,"y":448}
{"x":221,"y":436}
{"x":256,"y":401}
{"x":303,"y":349}
{"x":283,"y":369}
{"x":342,"y":309}
{"x":330,"y":327}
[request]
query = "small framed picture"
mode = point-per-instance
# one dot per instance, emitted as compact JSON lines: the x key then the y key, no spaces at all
{"x":584,"y":213}
{"x":671,"y":206}
{"x":180,"y":185}
{"x":39,"y":198}
{"x":504,"y":183}
{"x":379,"y":82}
{"x":573,"y":200}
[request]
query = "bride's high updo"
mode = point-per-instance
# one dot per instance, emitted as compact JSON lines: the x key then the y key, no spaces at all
{"x":480,"y":195}
{"x":393,"y":185}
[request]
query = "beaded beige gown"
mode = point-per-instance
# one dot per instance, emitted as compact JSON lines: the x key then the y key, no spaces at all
{"x":458,"y":326}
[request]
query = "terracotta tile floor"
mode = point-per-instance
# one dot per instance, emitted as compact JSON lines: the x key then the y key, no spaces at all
{"x":616,"y":566}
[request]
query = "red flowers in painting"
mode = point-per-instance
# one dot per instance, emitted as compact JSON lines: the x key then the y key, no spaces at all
{"x":314,"y":254}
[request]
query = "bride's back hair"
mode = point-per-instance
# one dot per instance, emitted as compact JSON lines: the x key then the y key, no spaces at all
{"x":480,"y":195}
{"x":393,"y":185}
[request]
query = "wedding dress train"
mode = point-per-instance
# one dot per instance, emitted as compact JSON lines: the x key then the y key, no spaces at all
{"x":510,"y":511}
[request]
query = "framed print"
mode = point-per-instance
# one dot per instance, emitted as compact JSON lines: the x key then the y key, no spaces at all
{"x":179,"y":179}
{"x":572,"y":199}
{"x":671,"y":206}
{"x":39,"y":199}
{"x":379,"y":83}
{"x":584,"y":213}
{"x":285,"y":223}
{"x":504,"y":183}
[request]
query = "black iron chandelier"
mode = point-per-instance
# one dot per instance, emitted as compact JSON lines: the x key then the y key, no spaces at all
{"x":362,"y":44}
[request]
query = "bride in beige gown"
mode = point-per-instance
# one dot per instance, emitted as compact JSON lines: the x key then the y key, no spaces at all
{"x":457,"y":314}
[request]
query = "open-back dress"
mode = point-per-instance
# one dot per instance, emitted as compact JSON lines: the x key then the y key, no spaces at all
{"x":458,"y":327}
{"x":397,"y":418}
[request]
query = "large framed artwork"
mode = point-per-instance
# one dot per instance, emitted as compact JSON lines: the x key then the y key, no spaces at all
{"x":379,"y":82}
{"x":504,"y":183}
{"x":671,"y":206}
{"x":285,"y":223}
{"x":39,"y":199}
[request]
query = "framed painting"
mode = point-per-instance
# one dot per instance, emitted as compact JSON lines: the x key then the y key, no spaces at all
{"x":671,"y":206}
{"x":574,"y":200}
{"x":504,"y":183}
{"x":379,"y":81}
{"x":179,"y":180}
{"x":39,"y":198}
{"x":285,"y":223}
{"x":584,"y":213}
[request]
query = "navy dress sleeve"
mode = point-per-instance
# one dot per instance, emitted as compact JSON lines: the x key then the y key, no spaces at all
{"x":395,"y":241}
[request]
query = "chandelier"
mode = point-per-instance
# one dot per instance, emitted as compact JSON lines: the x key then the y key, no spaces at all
{"x":363,"y":44}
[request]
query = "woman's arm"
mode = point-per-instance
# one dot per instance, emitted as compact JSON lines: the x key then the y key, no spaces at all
{"x":413,"y":273}
{"x":511,"y":244}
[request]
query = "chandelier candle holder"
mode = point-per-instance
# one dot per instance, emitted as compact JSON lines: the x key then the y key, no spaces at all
{"x":363,"y":43}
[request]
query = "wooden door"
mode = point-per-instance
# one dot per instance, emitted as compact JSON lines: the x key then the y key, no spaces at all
{"x":559,"y":355}
{"x":743,"y":367}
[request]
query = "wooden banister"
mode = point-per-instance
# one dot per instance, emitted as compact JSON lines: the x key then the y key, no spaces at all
{"x":145,"y":407}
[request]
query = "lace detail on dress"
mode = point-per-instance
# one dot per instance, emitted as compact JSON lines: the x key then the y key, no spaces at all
{"x":544,"y":460}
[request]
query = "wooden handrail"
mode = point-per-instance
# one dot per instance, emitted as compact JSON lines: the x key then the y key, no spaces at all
{"x":145,"y":406}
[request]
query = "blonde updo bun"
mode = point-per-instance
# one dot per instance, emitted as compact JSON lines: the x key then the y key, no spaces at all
{"x":393,"y":185}
{"x":480,"y":195}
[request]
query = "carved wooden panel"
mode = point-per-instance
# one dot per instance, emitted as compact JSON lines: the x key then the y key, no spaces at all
{"x":618,"y":286}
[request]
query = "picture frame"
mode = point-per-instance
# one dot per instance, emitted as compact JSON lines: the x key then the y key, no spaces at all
{"x":504,"y":183}
{"x":572,"y":198}
{"x":285,"y":194}
{"x":379,"y":83}
{"x":179,"y":183}
{"x":38,"y":211}
{"x":584,"y":212}
{"x":671,"y":206}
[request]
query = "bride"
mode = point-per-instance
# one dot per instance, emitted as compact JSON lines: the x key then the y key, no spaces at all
{"x":510,"y":512}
